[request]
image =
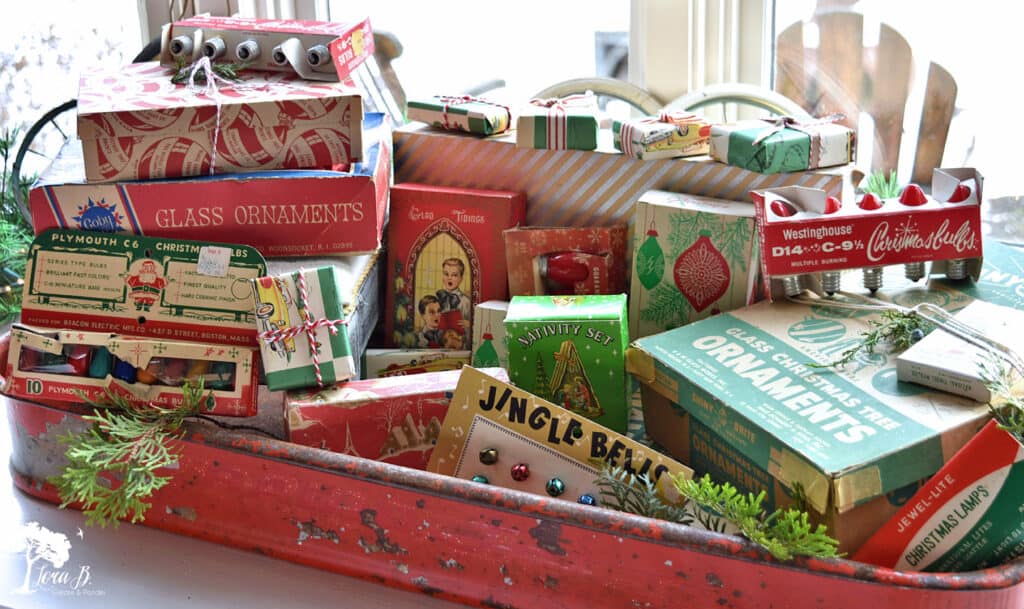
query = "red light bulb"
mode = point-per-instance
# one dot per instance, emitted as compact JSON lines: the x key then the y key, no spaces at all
{"x":960,"y":194}
{"x":913,"y":196}
{"x":832,"y":205}
{"x":870,"y":202}
{"x":563,"y":268}
{"x":782,"y":209}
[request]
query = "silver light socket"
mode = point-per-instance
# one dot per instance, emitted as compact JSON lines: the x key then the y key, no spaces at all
{"x":214,"y":48}
{"x":181,"y":46}
{"x":247,"y":50}
{"x":278,"y":56}
{"x":318,"y":56}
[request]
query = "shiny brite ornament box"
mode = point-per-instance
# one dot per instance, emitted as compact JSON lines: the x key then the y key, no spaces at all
{"x":135,"y":123}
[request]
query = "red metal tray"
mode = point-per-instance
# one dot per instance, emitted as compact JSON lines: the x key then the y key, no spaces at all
{"x":482,"y":545}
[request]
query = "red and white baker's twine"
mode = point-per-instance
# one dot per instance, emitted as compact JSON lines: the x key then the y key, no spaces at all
{"x":211,"y":90}
{"x":558,"y":117}
{"x":308,"y":327}
{"x":460,"y":100}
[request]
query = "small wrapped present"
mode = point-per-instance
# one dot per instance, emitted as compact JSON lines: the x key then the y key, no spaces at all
{"x":559,"y":124}
{"x":668,"y":135}
{"x":304,"y":341}
{"x":461,"y":113}
{"x":783,"y":144}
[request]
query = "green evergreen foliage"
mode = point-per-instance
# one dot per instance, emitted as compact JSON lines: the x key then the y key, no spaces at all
{"x":15,"y":232}
{"x":896,"y":329}
{"x":884,"y":187}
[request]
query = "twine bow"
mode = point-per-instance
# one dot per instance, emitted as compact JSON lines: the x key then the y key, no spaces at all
{"x":460,"y":100}
{"x":779,"y":123}
{"x":309,"y":326}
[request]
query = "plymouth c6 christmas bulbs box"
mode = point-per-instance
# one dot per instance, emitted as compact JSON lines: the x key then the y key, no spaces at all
{"x":570,"y":350}
{"x":693,"y":257}
{"x":445,"y":255}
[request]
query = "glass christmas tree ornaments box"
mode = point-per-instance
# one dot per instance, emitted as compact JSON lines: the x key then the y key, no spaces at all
{"x":693,"y":257}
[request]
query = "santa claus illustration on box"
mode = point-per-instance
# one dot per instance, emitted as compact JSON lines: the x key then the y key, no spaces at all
{"x":145,"y":285}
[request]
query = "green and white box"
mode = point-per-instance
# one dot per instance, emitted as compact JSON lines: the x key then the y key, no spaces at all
{"x":693,"y":257}
{"x":489,"y":347}
{"x":342,"y":289}
{"x":738,"y":393}
{"x":461,"y":113}
{"x":570,"y":350}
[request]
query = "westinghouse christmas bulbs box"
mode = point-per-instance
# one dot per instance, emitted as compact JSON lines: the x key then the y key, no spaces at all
{"x":65,"y":365}
{"x":570,"y":350}
{"x":395,"y":419}
{"x":135,"y":123}
{"x":692,"y":257}
{"x":445,"y":255}
{"x":141,"y":286}
{"x":280,"y":213}
{"x":736,"y":396}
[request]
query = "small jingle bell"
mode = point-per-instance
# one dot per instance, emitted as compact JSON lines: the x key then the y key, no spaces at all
{"x":489,"y":456}
{"x":587,"y":499}
{"x":916,"y":334}
{"x":520,"y":472}
{"x":555,"y":487}
{"x":481,"y":479}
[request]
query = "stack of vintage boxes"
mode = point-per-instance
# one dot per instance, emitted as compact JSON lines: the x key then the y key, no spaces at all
{"x":506,"y":248}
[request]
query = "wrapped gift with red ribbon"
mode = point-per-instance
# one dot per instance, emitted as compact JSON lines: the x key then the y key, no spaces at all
{"x":784,"y":143}
{"x":461,"y":113}
{"x":559,"y":124}
{"x":668,"y":135}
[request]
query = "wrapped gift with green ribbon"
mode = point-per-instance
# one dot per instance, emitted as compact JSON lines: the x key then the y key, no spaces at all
{"x":668,"y":135}
{"x":302,"y":317}
{"x":559,"y":124}
{"x":461,"y":113}
{"x":783,"y":144}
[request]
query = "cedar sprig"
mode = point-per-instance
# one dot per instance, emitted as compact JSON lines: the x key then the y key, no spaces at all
{"x":1007,"y":407}
{"x":113,"y":466}
{"x":885,"y":188}
{"x":627,"y":492}
{"x":897,"y":328}
{"x":784,"y":533}
{"x":227,"y":71}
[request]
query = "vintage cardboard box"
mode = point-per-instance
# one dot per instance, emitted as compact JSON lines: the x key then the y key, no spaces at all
{"x":570,"y":350}
{"x":280,"y":213}
{"x":141,"y":286}
{"x":739,"y":399}
{"x":382,"y":363}
{"x":565,"y":260}
{"x":495,"y":433}
{"x":559,"y":124}
{"x":135,"y":124}
{"x":667,"y":136}
{"x":339,"y":293}
{"x":315,"y":50}
{"x":490,"y":348}
{"x":783,"y":144}
{"x":396,"y":419}
{"x":966,"y":517}
{"x":692,"y":257}
{"x":948,"y":363}
{"x":461,"y":113}
{"x":445,"y":256}
{"x":67,"y":365}
{"x":578,"y":187}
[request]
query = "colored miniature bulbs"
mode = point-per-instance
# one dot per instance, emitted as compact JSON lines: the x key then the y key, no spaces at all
{"x":832,"y":205}
{"x":870,"y":202}
{"x":247,"y":50}
{"x":562,"y":268}
{"x":913,"y":196}
{"x":181,"y":45}
{"x":961,"y":193}
{"x":782,"y":209}
{"x":214,"y":48}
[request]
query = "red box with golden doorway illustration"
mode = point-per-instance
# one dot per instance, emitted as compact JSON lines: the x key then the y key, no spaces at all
{"x":446,"y":256}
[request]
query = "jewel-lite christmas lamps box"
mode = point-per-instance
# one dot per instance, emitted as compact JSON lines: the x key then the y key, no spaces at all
{"x":280,"y":213}
{"x":55,"y":366}
{"x":141,"y":286}
{"x":692,"y":257}
{"x":396,"y":419}
{"x":294,"y":300}
{"x":570,"y":350}
{"x":735,"y":396}
{"x":135,"y":124}
{"x":445,"y":256}
{"x":783,"y":144}
{"x":563,"y":260}
{"x":315,"y":50}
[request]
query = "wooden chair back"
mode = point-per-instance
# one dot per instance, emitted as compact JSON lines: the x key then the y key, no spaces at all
{"x":842,"y":75}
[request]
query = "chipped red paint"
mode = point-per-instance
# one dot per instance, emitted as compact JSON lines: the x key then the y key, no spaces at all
{"x":484,"y":545}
